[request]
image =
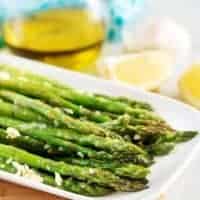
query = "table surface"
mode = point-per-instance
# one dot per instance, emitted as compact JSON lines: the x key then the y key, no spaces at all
{"x":9,"y":191}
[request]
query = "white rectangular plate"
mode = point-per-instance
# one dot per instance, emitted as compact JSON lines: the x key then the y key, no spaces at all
{"x":166,"y":170}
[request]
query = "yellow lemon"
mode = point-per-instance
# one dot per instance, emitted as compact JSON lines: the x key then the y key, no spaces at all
{"x":146,"y":70}
{"x":189,"y":85}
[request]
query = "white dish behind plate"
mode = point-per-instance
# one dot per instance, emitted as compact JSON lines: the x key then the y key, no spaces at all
{"x":164,"y":172}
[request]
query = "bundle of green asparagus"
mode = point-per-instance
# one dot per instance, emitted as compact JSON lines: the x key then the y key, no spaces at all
{"x":91,"y":144}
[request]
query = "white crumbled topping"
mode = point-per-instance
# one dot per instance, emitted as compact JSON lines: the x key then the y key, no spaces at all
{"x":80,"y":154}
{"x":80,"y":107}
{"x":56,"y":123}
{"x":60,"y":148}
{"x":69,"y":111}
{"x":57,"y":109}
{"x":12,"y":133}
{"x":82,"y":118}
{"x":50,"y":150}
{"x":4,"y":75}
{"x":47,"y":146}
{"x":15,"y":102}
{"x":39,"y":126}
{"x":9,"y":161}
{"x":91,"y":171}
{"x":82,"y":186}
{"x":2,"y":166}
{"x":33,"y":125}
{"x":58,"y":179}
{"x":137,"y":137}
{"x":97,"y":112}
{"x":22,"y":78}
{"x":26,"y":172}
{"x":127,"y":137}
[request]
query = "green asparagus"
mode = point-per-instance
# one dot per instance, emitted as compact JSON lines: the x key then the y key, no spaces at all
{"x":99,"y":103}
{"x":25,"y":74}
{"x":67,"y":146}
{"x":135,"y":132}
{"x":88,"y":100}
{"x":130,"y":102}
{"x":24,"y":142}
{"x":56,"y":115}
{"x":15,"y":111}
{"x":114,"y":146}
{"x":49,"y":95}
{"x":160,"y":149}
{"x":182,"y":136}
{"x":124,"y":123}
{"x":68,"y":184}
{"x":101,"y":143}
{"x":92,"y":175}
{"x":125,"y":170}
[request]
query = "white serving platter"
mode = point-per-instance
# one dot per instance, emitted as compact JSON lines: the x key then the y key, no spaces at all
{"x":166,"y":170}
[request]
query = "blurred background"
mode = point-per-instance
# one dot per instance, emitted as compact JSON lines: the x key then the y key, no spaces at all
{"x":185,"y":12}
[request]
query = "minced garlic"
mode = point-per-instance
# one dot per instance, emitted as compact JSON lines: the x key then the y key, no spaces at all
{"x":12,"y":133}
{"x":58,"y":179}
{"x":26,"y":172}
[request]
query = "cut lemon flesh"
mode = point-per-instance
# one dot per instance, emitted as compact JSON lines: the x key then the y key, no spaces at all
{"x":146,"y":70}
{"x":189,"y":85}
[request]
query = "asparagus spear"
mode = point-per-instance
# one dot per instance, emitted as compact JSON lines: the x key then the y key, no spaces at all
{"x":12,"y":110}
{"x":56,"y":115}
{"x":180,"y":136}
{"x":67,"y":184}
{"x":46,"y":81}
{"x":94,"y":102}
{"x":99,"y":103}
{"x":49,"y":94}
{"x":66,"y":146}
{"x":111,"y":145}
{"x":34,"y":146}
{"x":58,"y":147}
{"x":122,"y":122}
{"x":138,"y":132}
{"x":9,"y":70}
{"x":165,"y":143}
{"x":160,"y":149}
{"x":121,"y":169}
{"x":160,"y":124}
{"x":128,"y":101}
{"x":24,"y":142}
{"x":114,"y":146}
{"x":176,"y":136}
{"x":92,"y":175}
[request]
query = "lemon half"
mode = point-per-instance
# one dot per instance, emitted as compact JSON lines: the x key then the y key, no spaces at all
{"x":189,"y":85}
{"x":146,"y":70}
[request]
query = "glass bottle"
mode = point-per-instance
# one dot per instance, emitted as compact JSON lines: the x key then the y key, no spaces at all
{"x":68,"y":33}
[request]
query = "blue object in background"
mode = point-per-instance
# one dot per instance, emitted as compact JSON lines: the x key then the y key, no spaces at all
{"x":119,"y":12}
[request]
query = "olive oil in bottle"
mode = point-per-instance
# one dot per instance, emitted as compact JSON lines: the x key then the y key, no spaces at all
{"x":68,"y":37}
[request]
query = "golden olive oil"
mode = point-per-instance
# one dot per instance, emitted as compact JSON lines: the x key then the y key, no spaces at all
{"x":66,"y":37}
